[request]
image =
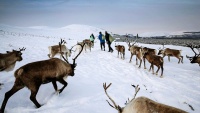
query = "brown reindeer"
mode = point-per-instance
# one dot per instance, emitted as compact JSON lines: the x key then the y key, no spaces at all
{"x":171,"y":52}
{"x":53,"y":50}
{"x":150,"y":51}
{"x":8,"y":60}
{"x":88,"y":44}
{"x":34,"y":74}
{"x":135,"y":50}
{"x":154,"y":60}
{"x":141,"y":104}
{"x":121,"y":50}
{"x":196,"y":58}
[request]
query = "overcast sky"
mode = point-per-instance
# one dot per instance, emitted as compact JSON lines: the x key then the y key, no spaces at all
{"x":117,"y":16}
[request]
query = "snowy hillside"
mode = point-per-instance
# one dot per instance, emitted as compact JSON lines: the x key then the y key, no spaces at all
{"x":84,"y":93}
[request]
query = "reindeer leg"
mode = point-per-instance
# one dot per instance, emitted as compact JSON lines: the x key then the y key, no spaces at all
{"x":168,"y":58}
{"x":34,"y":90}
{"x":118,"y":55}
{"x":62,"y":81}
{"x":157,"y":70}
{"x":161,"y":71}
{"x":136,"y":61}
{"x":16,"y":87}
{"x":144,"y":63}
{"x":55,"y":85}
{"x":140,"y":63}
{"x":152,"y":68}
{"x":181,"y":59}
{"x":131,"y":58}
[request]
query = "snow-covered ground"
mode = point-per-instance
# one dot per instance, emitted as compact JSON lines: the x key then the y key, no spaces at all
{"x":84,"y":93}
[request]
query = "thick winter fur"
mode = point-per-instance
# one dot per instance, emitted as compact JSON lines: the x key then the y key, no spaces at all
{"x":146,"y":105}
{"x":33,"y":75}
{"x":147,"y":50}
{"x":53,"y":50}
{"x":135,"y":50}
{"x":88,"y":44}
{"x":171,"y":52}
{"x":121,"y":50}
{"x":154,"y":60}
{"x":8,"y":60}
{"x":141,"y":104}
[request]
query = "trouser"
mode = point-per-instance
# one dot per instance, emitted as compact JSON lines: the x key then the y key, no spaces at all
{"x":102,"y":44}
{"x":109,"y":46}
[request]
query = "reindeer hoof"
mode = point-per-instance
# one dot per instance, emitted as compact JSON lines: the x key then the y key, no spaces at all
{"x":58,"y":92}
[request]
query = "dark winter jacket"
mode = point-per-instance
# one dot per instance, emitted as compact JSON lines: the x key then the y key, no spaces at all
{"x":107,"y":37}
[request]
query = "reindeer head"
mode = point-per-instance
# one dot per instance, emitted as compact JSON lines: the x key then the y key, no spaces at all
{"x":161,"y":50}
{"x":18,"y":54}
{"x":115,"y":106}
{"x":196,"y":58}
{"x":129,"y":45}
{"x":73,"y":66}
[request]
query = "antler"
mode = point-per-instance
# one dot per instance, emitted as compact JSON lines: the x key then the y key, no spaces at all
{"x":60,"y":43}
{"x":115,"y":105}
{"x":23,"y":49}
{"x":74,"y":59}
{"x":192,"y":47}
{"x":136,"y":91}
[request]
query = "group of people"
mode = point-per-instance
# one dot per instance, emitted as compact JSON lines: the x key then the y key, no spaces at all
{"x":106,"y":39}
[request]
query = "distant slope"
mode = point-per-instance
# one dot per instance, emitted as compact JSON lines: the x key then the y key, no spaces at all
{"x":75,"y":31}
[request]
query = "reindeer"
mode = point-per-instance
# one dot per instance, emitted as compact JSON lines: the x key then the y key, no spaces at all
{"x":34,"y":74}
{"x":141,"y":104}
{"x":171,"y":52}
{"x":8,"y":60}
{"x":121,"y":50}
{"x":154,"y":60}
{"x":88,"y":44}
{"x":196,"y":58}
{"x":150,"y":51}
{"x":135,"y":50}
{"x":53,"y":50}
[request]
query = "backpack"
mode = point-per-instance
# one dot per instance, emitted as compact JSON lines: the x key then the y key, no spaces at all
{"x":103,"y":37}
{"x":111,"y":39}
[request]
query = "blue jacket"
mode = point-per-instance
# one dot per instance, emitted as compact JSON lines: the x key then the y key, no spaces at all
{"x":100,"y":38}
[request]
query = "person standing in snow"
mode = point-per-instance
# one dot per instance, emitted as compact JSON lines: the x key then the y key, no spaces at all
{"x":102,"y":41}
{"x":92,"y":39}
{"x":108,"y":41}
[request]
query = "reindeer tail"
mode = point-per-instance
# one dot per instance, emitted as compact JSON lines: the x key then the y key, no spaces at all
{"x":18,"y":73}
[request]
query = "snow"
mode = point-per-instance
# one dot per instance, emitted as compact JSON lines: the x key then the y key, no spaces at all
{"x":84,"y":93}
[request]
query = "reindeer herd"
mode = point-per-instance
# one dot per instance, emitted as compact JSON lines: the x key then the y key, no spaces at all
{"x":149,"y":54}
{"x":34,"y":74}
